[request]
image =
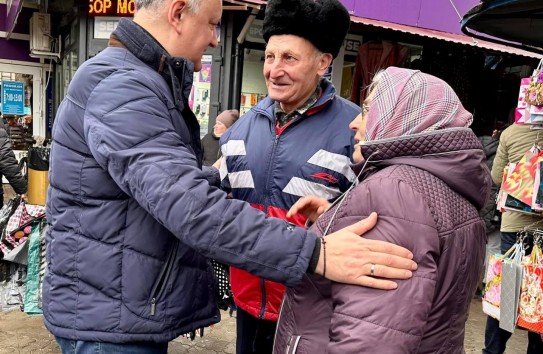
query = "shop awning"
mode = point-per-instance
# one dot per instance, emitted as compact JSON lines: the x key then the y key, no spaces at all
{"x":13,"y":9}
{"x":517,"y":23}
{"x":255,"y":4}
{"x":451,"y":37}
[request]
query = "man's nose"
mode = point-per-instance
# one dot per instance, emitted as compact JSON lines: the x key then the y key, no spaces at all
{"x":276,"y":68}
{"x":214,"y":41}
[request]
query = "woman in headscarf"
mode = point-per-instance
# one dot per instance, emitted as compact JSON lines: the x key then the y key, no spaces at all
{"x":423,"y":171}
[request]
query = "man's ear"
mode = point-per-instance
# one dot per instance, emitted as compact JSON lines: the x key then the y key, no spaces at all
{"x":176,"y":11}
{"x":325,"y":61}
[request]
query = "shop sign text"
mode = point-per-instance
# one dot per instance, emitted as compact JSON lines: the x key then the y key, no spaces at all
{"x":112,"y":7}
{"x":13,"y":95}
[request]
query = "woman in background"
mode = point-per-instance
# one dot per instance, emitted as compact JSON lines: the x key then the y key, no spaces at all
{"x":210,"y":142}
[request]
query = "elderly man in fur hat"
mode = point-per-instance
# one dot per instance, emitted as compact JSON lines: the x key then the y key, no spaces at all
{"x":292,"y":144}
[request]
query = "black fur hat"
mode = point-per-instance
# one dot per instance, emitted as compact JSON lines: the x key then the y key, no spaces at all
{"x":322,"y":22}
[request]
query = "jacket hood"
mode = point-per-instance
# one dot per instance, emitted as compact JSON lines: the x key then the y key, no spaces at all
{"x":453,"y":155}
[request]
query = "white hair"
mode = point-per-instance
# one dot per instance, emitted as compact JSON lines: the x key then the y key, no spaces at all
{"x":193,"y":5}
{"x":375,"y":81}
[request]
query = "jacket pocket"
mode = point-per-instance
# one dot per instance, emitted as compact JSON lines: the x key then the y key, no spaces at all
{"x":162,"y":280}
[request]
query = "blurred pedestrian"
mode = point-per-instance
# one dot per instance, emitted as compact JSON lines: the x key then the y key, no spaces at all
{"x":210,"y":142}
{"x":9,"y":167}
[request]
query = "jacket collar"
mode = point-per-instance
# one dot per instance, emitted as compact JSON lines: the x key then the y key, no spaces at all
{"x":178,"y":72}
{"x":267,"y":106}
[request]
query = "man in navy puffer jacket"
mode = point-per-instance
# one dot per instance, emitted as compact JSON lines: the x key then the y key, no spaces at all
{"x":132,"y":215}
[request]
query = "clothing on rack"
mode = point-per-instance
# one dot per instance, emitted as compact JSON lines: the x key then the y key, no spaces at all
{"x":372,"y":57}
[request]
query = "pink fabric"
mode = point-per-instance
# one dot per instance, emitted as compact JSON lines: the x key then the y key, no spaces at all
{"x":408,"y":102}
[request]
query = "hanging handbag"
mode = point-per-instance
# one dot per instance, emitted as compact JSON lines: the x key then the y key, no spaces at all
{"x":534,"y":94}
{"x":520,"y":182}
{"x":493,"y":284}
{"x":510,"y":285}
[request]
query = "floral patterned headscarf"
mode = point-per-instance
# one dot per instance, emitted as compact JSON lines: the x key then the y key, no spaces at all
{"x":407,"y":102}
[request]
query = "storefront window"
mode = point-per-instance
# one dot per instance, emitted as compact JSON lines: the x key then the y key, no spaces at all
{"x":66,"y":72}
{"x":17,"y":108}
{"x":199,"y":100}
{"x":253,"y":86}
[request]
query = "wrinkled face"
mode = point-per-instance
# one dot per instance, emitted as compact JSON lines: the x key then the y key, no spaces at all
{"x":359,"y":126}
{"x":292,"y":69}
{"x":198,"y":31}
{"x":219,"y":128}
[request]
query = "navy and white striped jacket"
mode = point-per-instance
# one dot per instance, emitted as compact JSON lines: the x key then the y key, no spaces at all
{"x":272,"y":167}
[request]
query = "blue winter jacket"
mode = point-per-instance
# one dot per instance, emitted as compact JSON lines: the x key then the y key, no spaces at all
{"x":132,"y":216}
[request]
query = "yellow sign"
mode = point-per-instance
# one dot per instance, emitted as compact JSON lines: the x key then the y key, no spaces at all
{"x":112,"y":7}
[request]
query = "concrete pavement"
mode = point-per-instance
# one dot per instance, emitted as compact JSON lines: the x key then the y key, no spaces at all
{"x":20,"y":334}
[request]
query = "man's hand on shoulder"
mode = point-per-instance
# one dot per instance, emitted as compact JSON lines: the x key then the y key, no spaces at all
{"x":346,"y":257}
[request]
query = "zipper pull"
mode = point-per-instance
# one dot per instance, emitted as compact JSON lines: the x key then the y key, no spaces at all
{"x":153,"y":306}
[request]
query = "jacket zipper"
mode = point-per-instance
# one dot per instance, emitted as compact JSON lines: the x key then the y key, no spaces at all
{"x":288,"y":344}
{"x":164,"y":274}
{"x":278,"y":321}
{"x":266,"y":206}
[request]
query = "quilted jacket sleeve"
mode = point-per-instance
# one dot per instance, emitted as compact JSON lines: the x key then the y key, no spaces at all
{"x":211,"y":174}
{"x":131,"y":134}
{"x":9,"y":166}
{"x":382,"y":321}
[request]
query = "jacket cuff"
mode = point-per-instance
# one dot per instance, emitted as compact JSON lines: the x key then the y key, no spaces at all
{"x":315,"y":257}
{"x":212,"y":176}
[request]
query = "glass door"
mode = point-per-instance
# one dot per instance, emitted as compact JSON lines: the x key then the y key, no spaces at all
{"x":22,"y":104}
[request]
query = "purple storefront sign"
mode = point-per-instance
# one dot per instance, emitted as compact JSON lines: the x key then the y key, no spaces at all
{"x":16,"y":49}
{"x":440,"y":15}
{"x":13,"y":9}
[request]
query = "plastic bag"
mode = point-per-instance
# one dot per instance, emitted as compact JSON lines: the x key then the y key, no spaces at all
{"x":32,"y":301}
{"x":38,"y":158}
{"x":5,"y":214}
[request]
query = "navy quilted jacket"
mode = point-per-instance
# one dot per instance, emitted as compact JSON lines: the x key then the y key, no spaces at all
{"x":133,"y":217}
{"x":426,"y":189}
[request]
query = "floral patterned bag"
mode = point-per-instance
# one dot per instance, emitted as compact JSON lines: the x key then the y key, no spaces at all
{"x":493,"y":281}
{"x":534,"y":94}
{"x":531,"y":297}
{"x":500,"y":291}
{"x":491,"y":299}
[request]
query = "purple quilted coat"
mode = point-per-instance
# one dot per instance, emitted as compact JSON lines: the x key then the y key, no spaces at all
{"x":427,"y":190}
